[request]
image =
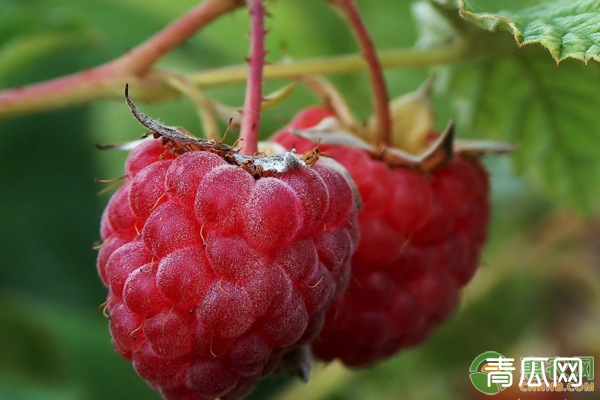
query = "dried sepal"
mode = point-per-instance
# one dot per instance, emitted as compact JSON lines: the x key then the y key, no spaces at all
{"x":182,"y":141}
{"x":332,"y":131}
{"x":206,"y":108}
{"x":439,"y":154}
{"x":297,"y":362}
{"x":412,"y":120}
{"x":413,"y":127}
{"x":478,"y":148}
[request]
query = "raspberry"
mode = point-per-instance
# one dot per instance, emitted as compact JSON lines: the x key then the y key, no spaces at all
{"x":421,"y":237}
{"x":214,"y":275}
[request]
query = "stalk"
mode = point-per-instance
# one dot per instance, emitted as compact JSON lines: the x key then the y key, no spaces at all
{"x":252,"y":104}
{"x":380,"y":93}
{"x":89,"y":86}
{"x":109,"y":79}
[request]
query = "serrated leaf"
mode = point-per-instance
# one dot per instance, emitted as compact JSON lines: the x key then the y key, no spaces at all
{"x":567,"y":28}
{"x":550,"y":112}
{"x":519,"y":95}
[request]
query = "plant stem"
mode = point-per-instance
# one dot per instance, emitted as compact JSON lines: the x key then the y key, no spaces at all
{"x":91,"y":85}
{"x":380,"y":93}
{"x":252,"y":104}
{"x":108,"y":80}
{"x":341,"y":64}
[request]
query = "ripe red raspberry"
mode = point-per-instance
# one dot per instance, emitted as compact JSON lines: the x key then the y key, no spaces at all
{"x":215,"y":273}
{"x":421,"y":237}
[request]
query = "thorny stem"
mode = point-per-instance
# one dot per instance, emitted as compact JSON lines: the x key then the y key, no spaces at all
{"x":380,"y":94}
{"x":252,"y":104}
{"x":80,"y":88}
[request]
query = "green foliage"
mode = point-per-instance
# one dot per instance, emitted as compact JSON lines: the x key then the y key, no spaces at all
{"x":519,"y":94}
{"x":567,"y":28}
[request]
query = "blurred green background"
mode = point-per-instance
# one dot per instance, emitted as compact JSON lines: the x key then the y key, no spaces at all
{"x":536,"y":294}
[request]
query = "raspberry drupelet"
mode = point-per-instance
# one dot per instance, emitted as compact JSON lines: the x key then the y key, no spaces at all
{"x":421,"y":239}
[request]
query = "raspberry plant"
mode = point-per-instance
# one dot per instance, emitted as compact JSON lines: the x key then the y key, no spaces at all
{"x":496,"y":90}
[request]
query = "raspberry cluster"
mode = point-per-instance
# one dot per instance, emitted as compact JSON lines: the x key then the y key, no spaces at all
{"x":213,"y":274}
{"x":421,"y":238}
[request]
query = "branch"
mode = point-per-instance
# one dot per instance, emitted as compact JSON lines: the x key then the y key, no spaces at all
{"x":90,"y":86}
{"x":107,"y":81}
{"x":252,"y":104}
{"x":380,"y":93}
{"x":340,"y":64}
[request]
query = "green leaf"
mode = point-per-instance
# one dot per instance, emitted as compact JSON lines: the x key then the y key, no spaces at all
{"x":519,"y":95}
{"x":551,"y":113}
{"x":567,"y":28}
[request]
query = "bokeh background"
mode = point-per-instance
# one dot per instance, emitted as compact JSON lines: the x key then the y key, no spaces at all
{"x":537,"y":292}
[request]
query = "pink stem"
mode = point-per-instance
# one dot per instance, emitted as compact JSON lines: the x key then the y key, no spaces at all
{"x":252,"y":104}
{"x":380,"y":93}
{"x":93,"y":83}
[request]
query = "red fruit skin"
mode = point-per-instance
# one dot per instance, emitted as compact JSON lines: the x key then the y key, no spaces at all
{"x":214,"y":275}
{"x":421,"y":238}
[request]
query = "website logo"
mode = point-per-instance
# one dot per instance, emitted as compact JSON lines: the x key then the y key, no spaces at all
{"x":491,"y":373}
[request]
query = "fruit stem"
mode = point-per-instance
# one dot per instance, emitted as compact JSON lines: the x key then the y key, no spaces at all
{"x":85,"y":87}
{"x":380,"y":93}
{"x":254,"y":97}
